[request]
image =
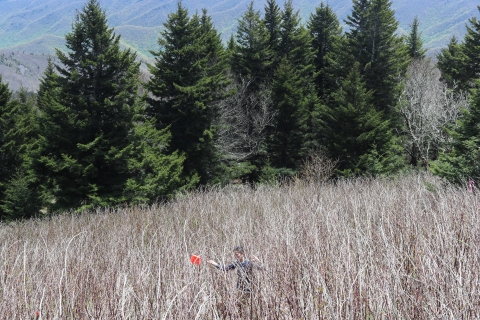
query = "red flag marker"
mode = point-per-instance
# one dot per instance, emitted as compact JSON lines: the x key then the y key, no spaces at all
{"x":195,"y":259}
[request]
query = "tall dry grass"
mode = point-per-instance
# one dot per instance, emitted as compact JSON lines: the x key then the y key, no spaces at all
{"x":356,"y":249}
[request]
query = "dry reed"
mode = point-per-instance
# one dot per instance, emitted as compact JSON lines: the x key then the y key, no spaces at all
{"x":354,"y":249}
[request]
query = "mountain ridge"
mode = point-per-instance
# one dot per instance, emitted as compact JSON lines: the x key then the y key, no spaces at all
{"x":39,"y":26}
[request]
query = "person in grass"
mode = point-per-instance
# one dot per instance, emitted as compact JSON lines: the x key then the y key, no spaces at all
{"x":243,"y":266}
{"x":244,"y":269}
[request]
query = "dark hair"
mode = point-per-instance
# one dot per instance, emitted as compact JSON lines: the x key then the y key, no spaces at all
{"x":239,"y":249}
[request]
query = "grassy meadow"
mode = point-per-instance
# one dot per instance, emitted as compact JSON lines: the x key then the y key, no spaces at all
{"x":405,"y":248}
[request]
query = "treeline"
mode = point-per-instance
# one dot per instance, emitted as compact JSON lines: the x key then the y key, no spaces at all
{"x":280,"y":92}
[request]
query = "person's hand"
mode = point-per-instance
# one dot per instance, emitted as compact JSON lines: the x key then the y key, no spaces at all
{"x":255,"y":259}
{"x":213,"y":263}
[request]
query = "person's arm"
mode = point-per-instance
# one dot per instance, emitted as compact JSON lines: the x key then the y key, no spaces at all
{"x":231,"y":266}
{"x":213,"y":263}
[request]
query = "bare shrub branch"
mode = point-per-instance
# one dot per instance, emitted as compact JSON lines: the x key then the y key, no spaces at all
{"x":403,"y":248}
{"x":427,"y":106}
{"x":317,"y":168}
{"x":242,"y":121}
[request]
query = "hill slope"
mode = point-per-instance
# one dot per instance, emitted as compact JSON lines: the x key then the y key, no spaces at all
{"x":38,"y":26}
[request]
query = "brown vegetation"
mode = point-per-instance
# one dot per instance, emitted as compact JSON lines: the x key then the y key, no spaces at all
{"x":405,"y":248}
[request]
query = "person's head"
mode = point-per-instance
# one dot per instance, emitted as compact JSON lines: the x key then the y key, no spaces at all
{"x":239,"y":253}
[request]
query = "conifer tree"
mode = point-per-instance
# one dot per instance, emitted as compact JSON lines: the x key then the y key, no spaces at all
{"x":252,"y":63}
{"x":295,"y":44}
{"x":285,"y":143}
{"x":414,"y":41}
{"x":18,"y":128}
{"x":155,"y":175}
{"x":189,"y":76}
{"x":471,"y":49}
{"x":312,"y":123}
{"x":8,"y":160}
{"x":87,"y":113}
{"x":451,"y":62}
{"x":357,"y":36}
{"x":272,"y":23}
{"x":381,"y":54}
{"x":231,"y":47}
{"x":359,"y":136}
{"x":253,"y":56}
{"x":296,"y":125}
{"x":327,"y":41}
{"x":461,"y":162}
{"x":460,"y":62}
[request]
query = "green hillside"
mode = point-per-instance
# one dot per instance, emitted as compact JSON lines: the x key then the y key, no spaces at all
{"x":37,"y":27}
{"x":27,"y":20}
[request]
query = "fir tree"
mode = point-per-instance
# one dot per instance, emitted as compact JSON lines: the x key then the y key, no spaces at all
{"x":253,"y":56}
{"x":460,"y":62}
{"x":285,"y":141}
{"x":295,"y":42}
{"x":8,"y":161}
{"x":18,"y":129}
{"x":327,"y":41}
{"x":359,"y":136}
{"x":297,"y":108}
{"x":451,"y":62}
{"x":87,"y":113}
{"x":462,"y":162}
{"x":357,"y":36}
{"x":272,"y":23}
{"x":471,"y":49}
{"x":296,"y":127}
{"x":154,"y":174}
{"x":373,"y":43}
{"x":189,"y":76}
{"x":414,"y":41}
{"x":312,"y":123}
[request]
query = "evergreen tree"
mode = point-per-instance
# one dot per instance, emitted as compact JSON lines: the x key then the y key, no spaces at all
{"x":460,"y":62}
{"x":253,"y":56}
{"x":359,"y":136}
{"x":231,"y":47}
{"x":230,"y":50}
{"x":327,"y":41}
{"x":154,"y":174}
{"x":87,"y":113}
{"x":295,"y":45}
{"x":189,"y":76}
{"x":312,"y":123}
{"x":296,"y":128}
{"x":471,"y":49}
{"x":414,"y":41}
{"x":451,"y":62}
{"x":373,"y":43}
{"x":8,"y":160}
{"x":285,"y":142}
{"x":357,"y":36}
{"x":302,"y":105}
{"x":272,"y":23}
{"x":252,"y":65}
{"x":462,"y":162}
{"x":18,"y":128}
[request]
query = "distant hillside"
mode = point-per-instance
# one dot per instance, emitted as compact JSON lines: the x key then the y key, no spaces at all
{"x":22,"y":69}
{"x":36,"y":27}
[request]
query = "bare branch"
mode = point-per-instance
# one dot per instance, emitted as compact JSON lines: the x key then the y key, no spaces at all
{"x":427,"y":106}
{"x":242,"y":121}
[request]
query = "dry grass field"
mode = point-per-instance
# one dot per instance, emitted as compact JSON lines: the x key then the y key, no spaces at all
{"x":405,"y":248}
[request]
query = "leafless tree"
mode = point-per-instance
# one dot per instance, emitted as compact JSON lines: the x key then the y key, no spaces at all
{"x":242,"y":121}
{"x":427,"y":106}
{"x":318,"y":167}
